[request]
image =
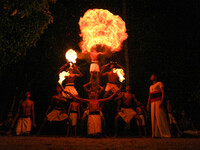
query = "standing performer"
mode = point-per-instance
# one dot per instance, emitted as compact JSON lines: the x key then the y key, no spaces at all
{"x":94,"y":66}
{"x":26,"y":116}
{"x":93,"y":87}
{"x":141,"y":112}
{"x":172,"y":120}
{"x":74,"y":115}
{"x":160,"y":124}
{"x":110,"y":108}
{"x":69,"y":87}
{"x":126,"y":112}
{"x":94,"y":116}
{"x":58,"y":113}
{"x":112,"y":78}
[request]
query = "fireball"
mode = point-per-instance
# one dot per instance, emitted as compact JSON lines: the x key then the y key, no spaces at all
{"x":101,"y":27}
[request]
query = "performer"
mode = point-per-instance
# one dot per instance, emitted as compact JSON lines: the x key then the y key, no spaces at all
{"x":94,"y":87}
{"x":94,"y":66}
{"x":70,"y":79}
{"x":160,"y":125}
{"x":74,"y":115}
{"x":126,"y":112}
{"x":58,"y":112}
{"x":94,"y":116}
{"x":141,"y":112}
{"x":6,"y":126}
{"x":112,"y":78}
{"x":26,"y":116}
{"x":172,"y":120}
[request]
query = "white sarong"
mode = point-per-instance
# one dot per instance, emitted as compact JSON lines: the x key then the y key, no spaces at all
{"x":69,"y":87}
{"x":94,"y":67}
{"x":73,"y":116}
{"x":160,"y":125}
{"x":94,"y":124}
{"x":23,"y":125}
{"x":56,"y":115}
{"x":111,"y":87}
{"x":127,"y":114}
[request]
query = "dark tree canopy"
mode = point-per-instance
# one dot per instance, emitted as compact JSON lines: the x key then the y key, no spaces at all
{"x":22,"y":23}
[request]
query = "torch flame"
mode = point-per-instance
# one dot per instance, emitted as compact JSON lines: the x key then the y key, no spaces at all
{"x":62,"y":76}
{"x":71,"y":55}
{"x":101,"y":27}
{"x":120,"y":74}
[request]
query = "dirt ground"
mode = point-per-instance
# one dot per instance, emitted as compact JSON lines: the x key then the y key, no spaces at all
{"x":59,"y":143}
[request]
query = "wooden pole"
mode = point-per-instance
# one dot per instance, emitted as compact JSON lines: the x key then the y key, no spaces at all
{"x":126,"y":47}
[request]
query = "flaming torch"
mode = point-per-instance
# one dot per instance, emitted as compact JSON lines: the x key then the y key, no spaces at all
{"x":101,"y":27}
{"x":120,"y":73}
{"x":71,"y":56}
{"x":62,"y":77}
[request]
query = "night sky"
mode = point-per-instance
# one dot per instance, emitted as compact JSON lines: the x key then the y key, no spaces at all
{"x":163,"y":38}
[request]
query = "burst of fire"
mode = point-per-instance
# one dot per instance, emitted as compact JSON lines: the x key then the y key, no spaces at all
{"x":71,"y":55}
{"x":101,"y":27}
{"x":62,"y":76}
{"x":120,"y":74}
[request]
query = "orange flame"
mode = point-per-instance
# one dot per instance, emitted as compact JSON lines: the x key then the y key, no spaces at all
{"x":120,"y":74}
{"x":101,"y":27}
{"x":62,"y":76}
{"x":71,"y":55}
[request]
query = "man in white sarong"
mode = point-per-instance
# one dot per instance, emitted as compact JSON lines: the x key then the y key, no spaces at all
{"x":26,"y":116}
{"x":126,"y":112}
{"x":112,"y":78}
{"x":160,"y":124}
{"x":69,"y":86}
{"x":94,"y":116}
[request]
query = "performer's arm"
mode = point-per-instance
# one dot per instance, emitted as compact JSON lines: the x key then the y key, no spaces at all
{"x":120,"y":66}
{"x":85,"y":87}
{"x":79,"y":112}
{"x":103,"y":68}
{"x":17,"y":115}
{"x":148,"y":103}
{"x":79,"y":73}
{"x":63,"y":67}
{"x":109,"y":98}
{"x":33,"y":114}
{"x":101,"y":88}
{"x":77,"y":98}
{"x":49,"y":107}
{"x":69,"y":108}
{"x":162,"y":91}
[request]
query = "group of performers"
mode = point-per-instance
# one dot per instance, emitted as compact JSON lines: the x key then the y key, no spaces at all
{"x":94,"y":114}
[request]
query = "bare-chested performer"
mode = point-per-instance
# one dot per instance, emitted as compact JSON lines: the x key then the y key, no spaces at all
{"x":69,"y":86}
{"x":74,"y":115}
{"x":141,"y":112}
{"x":94,"y":116}
{"x":26,"y":116}
{"x":112,"y":78}
{"x":126,"y":112}
{"x":94,"y":66}
{"x":58,"y":111}
{"x":159,"y":121}
{"x":172,"y":120}
{"x":93,"y":87}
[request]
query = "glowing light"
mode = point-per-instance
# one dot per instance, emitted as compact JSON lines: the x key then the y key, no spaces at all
{"x":101,"y":27}
{"x":62,"y":76}
{"x":71,"y":55}
{"x":120,"y":74}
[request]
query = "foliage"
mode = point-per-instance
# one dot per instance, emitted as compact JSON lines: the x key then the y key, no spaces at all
{"x":22,"y":23}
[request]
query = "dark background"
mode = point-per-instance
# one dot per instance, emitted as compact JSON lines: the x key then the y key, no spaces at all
{"x":163,"y":38}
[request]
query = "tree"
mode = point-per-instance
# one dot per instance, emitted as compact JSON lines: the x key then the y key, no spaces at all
{"x":22,"y":23}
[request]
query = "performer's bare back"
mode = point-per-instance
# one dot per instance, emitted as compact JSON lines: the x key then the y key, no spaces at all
{"x":112,"y":77}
